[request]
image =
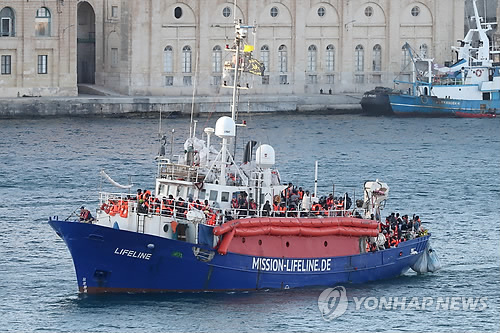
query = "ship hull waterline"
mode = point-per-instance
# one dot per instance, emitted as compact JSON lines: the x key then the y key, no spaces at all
{"x":406,"y":105}
{"x":108,"y":260}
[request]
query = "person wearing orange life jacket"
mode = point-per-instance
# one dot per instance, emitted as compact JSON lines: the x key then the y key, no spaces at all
{"x":85,"y":215}
{"x":276,"y":208}
{"x":115,"y":208}
{"x":282,"y":209}
{"x":317,"y":208}
{"x":301,"y":193}
{"x":252,"y":206}
{"x":329,"y":201}
{"x":212,"y":219}
{"x":139,"y":195}
{"x":206,"y":206}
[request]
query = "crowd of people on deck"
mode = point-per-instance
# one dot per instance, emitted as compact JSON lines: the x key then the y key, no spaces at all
{"x":394,"y":230}
{"x":148,"y":204}
{"x":291,"y":202}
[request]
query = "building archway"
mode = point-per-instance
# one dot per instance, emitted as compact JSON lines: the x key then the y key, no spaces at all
{"x":85,"y":43}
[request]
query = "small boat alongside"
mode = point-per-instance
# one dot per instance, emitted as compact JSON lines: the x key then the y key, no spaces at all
{"x":376,"y":102}
{"x":470,"y":88}
{"x":214,"y":224}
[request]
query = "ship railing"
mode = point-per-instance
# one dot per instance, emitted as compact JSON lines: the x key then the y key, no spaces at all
{"x":447,"y":81}
{"x":178,"y":209}
{"x":246,"y":212}
{"x":106,"y":197}
{"x":179,"y":172}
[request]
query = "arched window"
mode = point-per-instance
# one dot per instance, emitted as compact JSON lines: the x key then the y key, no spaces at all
{"x":405,"y":59}
{"x":7,"y":22}
{"x":264,"y":56}
{"x":330,"y":58}
{"x":424,"y":51}
{"x":359,"y":58}
{"x":186,"y":59}
{"x":377,"y":58}
{"x":42,"y":22}
{"x":311,"y":58}
{"x":282,"y":59}
{"x":168,"y":59}
{"x":217,"y":59}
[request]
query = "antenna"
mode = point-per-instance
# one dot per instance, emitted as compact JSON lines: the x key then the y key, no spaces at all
{"x":194,"y":92}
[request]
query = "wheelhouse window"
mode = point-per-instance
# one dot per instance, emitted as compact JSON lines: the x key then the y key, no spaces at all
{"x":186,"y":59}
{"x":311,"y":58}
{"x":7,"y":22}
{"x":42,"y":22}
{"x":42,"y":64}
{"x":213,"y":195}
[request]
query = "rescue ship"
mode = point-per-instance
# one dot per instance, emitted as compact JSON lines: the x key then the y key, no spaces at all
{"x":213,"y":224}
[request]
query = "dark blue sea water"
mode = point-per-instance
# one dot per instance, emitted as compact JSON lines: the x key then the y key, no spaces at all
{"x":445,"y":170}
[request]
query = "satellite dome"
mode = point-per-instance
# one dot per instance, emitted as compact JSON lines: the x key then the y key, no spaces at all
{"x":265,"y":156}
{"x":225,"y":127}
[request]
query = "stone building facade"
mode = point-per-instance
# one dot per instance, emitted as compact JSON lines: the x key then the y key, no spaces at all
{"x":37,"y":48}
{"x":175,"y":47}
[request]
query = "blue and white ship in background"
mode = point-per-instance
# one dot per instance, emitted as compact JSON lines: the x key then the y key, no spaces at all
{"x":469,"y":88}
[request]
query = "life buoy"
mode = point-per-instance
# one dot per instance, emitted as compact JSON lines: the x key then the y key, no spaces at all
{"x":479,"y":72}
{"x":423,"y":99}
{"x":124,"y":211}
{"x":105,"y":208}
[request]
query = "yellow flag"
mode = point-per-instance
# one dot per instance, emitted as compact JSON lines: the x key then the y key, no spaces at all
{"x":248,"y":48}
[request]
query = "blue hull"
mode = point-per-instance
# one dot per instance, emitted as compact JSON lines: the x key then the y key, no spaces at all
{"x":111,"y":260}
{"x":407,"y":105}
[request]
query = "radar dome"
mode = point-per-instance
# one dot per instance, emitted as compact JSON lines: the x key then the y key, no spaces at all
{"x":225,"y":127}
{"x":265,"y":157}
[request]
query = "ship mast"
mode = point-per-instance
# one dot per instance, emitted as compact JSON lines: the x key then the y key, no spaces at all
{"x":239,"y":36}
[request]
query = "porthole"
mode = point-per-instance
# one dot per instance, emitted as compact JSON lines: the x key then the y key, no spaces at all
{"x":287,"y":244}
{"x":415,"y":11}
{"x":165,"y":228}
{"x":178,"y":12}
{"x":368,"y":11}
{"x":325,"y":243}
{"x":260,"y":241}
{"x":274,"y":11}
{"x":321,"y":11}
{"x":243,"y":240}
{"x":226,"y":12}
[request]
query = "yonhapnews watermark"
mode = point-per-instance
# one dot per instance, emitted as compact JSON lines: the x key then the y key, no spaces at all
{"x":334,"y":302}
